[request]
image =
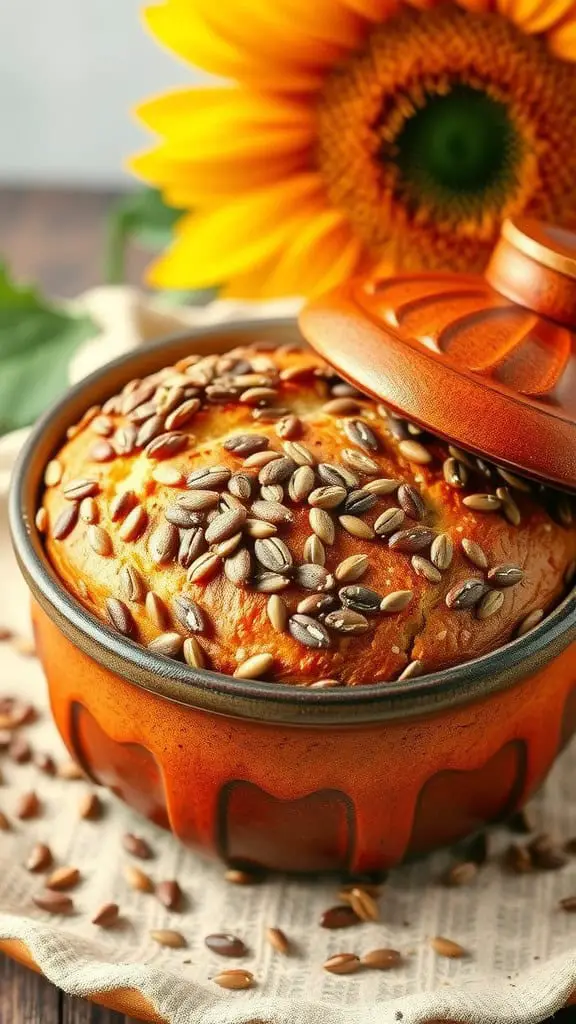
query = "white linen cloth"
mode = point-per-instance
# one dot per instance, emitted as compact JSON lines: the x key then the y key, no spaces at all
{"x":522,"y":950}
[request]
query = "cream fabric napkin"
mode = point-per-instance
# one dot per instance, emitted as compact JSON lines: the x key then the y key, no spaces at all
{"x":521,"y":965}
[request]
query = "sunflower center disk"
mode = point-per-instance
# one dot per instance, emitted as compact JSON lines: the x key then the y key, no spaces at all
{"x":446,"y":123}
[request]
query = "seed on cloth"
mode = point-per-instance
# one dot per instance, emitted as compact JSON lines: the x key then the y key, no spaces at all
{"x":63,"y":878}
{"x":225,"y":944}
{"x":27,"y":806}
{"x":340,"y":916}
{"x":381,"y":959}
{"x":461,"y":874}
{"x":342,"y":963}
{"x":107,"y":915}
{"x":167,"y":937}
{"x":234,"y":979}
{"x":447,"y":947}
{"x":363,"y":904}
{"x":278,"y":940}
{"x":138,"y":879}
{"x":137,"y":846}
{"x":70,"y":771}
{"x":39,"y":858}
{"x":170,"y":894}
{"x":54,"y":902}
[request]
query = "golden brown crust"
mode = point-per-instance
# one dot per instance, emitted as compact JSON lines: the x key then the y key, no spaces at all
{"x":90,"y":558}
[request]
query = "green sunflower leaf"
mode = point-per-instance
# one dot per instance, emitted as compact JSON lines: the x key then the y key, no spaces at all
{"x":141,"y":217}
{"x":37,"y":340}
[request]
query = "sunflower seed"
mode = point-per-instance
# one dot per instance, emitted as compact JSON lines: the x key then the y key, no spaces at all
{"x":63,"y":878}
{"x":414,"y":452}
{"x":381,"y":959}
{"x":351,"y":568}
{"x":168,"y":475}
{"x":189,"y":614}
{"x":90,"y":807}
{"x":163,"y":543}
{"x":361,"y":434}
{"x":107,"y":915}
{"x":359,"y":461}
{"x":225,"y":525}
{"x":461,"y":874}
{"x":381,"y":486}
{"x":300,"y":372}
{"x":259,"y":459}
{"x":134,"y":524}
{"x":340,"y":916}
{"x":277,"y":612}
{"x":193,"y":653}
{"x":322,"y":525}
{"x":411,"y":502}
{"x":143,"y":413}
{"x":389,"y":522}
{"x":359,"y":502}
{"x":182,"y":414}
{"x":272,"y":512}
{"x":204,"y":567}
{"x":474,"y":553}
{"x":238,"y":567}
{"x":442,"y":552}
{"x":363,"y":904}
{"x":344,"y":620}
{"x":150,"y":429}
{"x":313,"y":577}
{"x":338,"y":476}
{"x":308,"y":632}
{"x":254,"y":667}
{"x":530,"y":622}
{"x":278,"y":940}
{"x":277,"y":471}
{"x":222,"y":393}
{"x":99,"y":540}
{"x":170,"y":894}
{"x":514,"y":481}
{"x":168,"y":937}
{"x":246,"y":444}
{"x":509,"y":506}
{"x":121,"y":505}
{"x":137,"y":879}
{"x":466,"y":594}
{"x":568,"y":904}
{"x":490,"y":604}
{"x":482,"y":502}
{"x":241,"y":485}
{"x":360,"y":599}
{"x":101,"y":451}
{"x":70,"y":771}
{"x":455,"y":473}
{"x":340,"y":407}
{"x":53,"y":473}
{"x":315,"y":604}
{"x":89,"y":511}
{"x":125,"y":439}
{"x":301,"y":483}
{"x":289,"y":427}
{"x":397,"y":426}
{"x":299,"y":453}
{"x":356,"y":527}
{"x":208,"y":477}
{"x":327,"y":496}
{"x":234,"y":979}
{"x":53,"y":902}
{"x":422,"y":567}
{"x":182,"y":517}
{"x":273,"y":554}
{"x":45,"y":763}
{"x":27,"y":806}
{"x":258,"y":528}
{"x":314,"y":550}
{"x":39,"y":858}
{"x":507,"y":575}
{"x":342,"y":963}
{"x":119,"y":616}
{"x":75,"y":490}
{"x":137,"y":846}
{"x":135,"y":397}
{"x":447,"y":948}
{"x":413,"y":668}
{"x":41,"y":519}
{"x":65,"y":522}
{"x":410,"y":541}
{"x":258,"y":396}
{"x":199,"y":500}
{"x":103,"y":426}
{"x":397,"y":601}
{"x":272,"y":492}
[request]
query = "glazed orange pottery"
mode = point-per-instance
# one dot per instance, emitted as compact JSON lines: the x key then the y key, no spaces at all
{"x":272,"y":776}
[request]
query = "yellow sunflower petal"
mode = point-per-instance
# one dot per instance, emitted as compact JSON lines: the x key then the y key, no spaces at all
{"x":176,"y":113}
{"x":183,"y":29}
{"x":562,"y":41}
{"x":373,"y":10}
{"x":538,"y":15}
{"x":213,"y":246}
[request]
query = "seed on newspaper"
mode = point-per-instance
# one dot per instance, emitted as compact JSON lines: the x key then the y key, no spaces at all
{"x":340,"y":916}
{"x":342,"y":963}
{"x":170,"y":894}
{"x":381,"y":959}
{"x":234,"y":979}
{"x":137,"y":846}
{"x":363,"y":904}
{"x":107,"y":915}
{"x":447,"y":947}
{"x":53,"y":902}
{"x":90,"y":807}
{"x":568,"y":904}
{"x":225,"y":944}
{"x":27,"y":806}
{"x":63,"y":878}
{"x":138,"y":879}
{"x":39,"y":858}
{"x":474,"y":553}
{"x":461,"y":874}
{"x":278,"y":940}
{"x":254,"y":667}
{"x":167,"y":937}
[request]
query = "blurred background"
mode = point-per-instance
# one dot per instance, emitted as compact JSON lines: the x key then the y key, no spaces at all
{"x":70,"y":73}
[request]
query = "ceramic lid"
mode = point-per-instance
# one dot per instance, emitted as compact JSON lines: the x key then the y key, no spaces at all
{"x":486,"y":362}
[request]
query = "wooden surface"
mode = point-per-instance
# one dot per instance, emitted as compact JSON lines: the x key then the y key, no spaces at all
{"x":56,"y":238}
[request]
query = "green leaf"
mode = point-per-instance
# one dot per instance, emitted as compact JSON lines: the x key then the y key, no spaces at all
{"x":141,"y":217}
{"x":37,"y":341}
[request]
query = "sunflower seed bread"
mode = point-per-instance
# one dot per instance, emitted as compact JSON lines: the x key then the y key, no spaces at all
{"x":253,"y":514}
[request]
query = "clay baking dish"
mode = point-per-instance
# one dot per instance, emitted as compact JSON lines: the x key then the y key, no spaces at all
{"x":354,"y":780}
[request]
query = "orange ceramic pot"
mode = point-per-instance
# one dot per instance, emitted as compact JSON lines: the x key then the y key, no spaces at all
{"x":280,"y":777}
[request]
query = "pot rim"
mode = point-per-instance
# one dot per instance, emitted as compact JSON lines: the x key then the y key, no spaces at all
{"x":214,"y":691}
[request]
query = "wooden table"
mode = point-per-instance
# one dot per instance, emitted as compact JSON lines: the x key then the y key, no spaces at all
{"x":56,"y":238}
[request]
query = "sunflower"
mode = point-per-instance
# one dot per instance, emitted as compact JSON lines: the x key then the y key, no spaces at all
{"x":355,"y":132}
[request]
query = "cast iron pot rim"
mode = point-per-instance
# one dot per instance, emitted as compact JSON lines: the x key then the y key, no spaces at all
{"x":255,"y":699}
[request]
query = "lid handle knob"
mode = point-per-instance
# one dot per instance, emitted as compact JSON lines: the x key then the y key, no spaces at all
{"x":534,"y":264}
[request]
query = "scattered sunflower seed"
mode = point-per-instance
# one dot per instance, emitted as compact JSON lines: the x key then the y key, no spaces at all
{"x":359,"y":461}
{"x":39,"y":858}
{"x":442,"y":552}
{"x":278,"y":940}
{"x":351,"y":569}
{"x":397,"y":601}
{"x":447,"y":947}
{"x":381,"y":959}
{"x":490,"y":604}
{"x":462,"y":873}
{"x":356,"y":527}
{"x":474,"y":553}
{"x":277,"y":612}
{"x":423,"y":567}
{"x":466,"y":594}
{"x":119,"y":616}
{"x":530,"y":622}
{"x":482,"y":502}
{"x":314,"y":550}
{"x":234,"y":979}
{"x":193,"y":653}
{"x":507,"y":575}
{"x":137,"y":846}
{"x":412,"y":540}
{"x":168,"y":937}
{"x":414,"y":452}
{"x":360,"y":599}
{"x":308,"y":632}
{"x":342,"y":963}
{"x":170,"y":894}
{"x":167,"y":644}
{"x":107,"y":915}
{"x":254,"y":667}
{"x":361,"y":434}
{"x":53,"y":902}
{"x":411,"y":502}
{"x":63,"y":878}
